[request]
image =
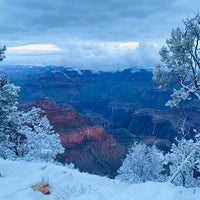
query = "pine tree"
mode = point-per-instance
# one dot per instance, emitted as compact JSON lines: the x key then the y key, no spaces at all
{"x":2,"y":53}
{"x":8,"y":109}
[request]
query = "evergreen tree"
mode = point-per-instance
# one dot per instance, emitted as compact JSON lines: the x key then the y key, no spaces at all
{"x":24,"y":134}
{"x":2,"y":53}
{"x":8,"y":109}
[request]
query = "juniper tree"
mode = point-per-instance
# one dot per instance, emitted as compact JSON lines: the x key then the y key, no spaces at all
{"x":180,"y":62}
{"x":180,"y":65}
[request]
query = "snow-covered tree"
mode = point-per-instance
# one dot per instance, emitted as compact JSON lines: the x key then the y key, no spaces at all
{"x":183,"y":161}
{"x":24,"y":134}
{"x":8,"y":109}
{"x":180,"y":65}
{"x":2,"y":53}
{"x":180,"y":62}
{"x":142,"y":163}
{"x":40,"y":142}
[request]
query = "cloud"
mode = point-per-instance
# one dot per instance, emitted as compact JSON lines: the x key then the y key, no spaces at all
{"x":34,"y":47}
{"x":89,"y":33}
{"x":110,"y":20}
{"x":96,"y":56}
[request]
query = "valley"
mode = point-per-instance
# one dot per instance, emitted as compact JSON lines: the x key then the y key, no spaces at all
{"x":100,"y":115}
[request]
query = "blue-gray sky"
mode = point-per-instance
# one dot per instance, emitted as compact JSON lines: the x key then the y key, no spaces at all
{"x":92,"y":34}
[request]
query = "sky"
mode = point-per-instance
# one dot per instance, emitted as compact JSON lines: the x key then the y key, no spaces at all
{"x":89,"y":34}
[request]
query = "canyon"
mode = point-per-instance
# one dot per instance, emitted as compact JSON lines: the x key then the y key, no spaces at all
{"x":100,"y":115}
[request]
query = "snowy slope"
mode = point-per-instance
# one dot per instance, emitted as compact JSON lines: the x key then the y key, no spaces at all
{"x":65,"y":183}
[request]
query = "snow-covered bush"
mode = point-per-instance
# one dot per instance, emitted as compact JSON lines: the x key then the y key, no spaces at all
{"x":142,"y":163}
{"x":183,"y":161}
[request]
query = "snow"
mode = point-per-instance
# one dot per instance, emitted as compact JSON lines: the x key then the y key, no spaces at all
{"x":17,"y":177}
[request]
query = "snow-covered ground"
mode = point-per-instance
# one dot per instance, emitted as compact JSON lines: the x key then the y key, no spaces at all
{"x":18,"y":177}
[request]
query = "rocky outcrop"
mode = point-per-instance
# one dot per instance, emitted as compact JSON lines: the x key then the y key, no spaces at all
{"x":89,"y":134}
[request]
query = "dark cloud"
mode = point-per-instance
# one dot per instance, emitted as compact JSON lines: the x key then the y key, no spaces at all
{"x":64,"y":22}
{"x":89,"y":19}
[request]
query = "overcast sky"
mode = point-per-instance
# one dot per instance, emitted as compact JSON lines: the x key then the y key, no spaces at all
{"x":92,"y":34}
